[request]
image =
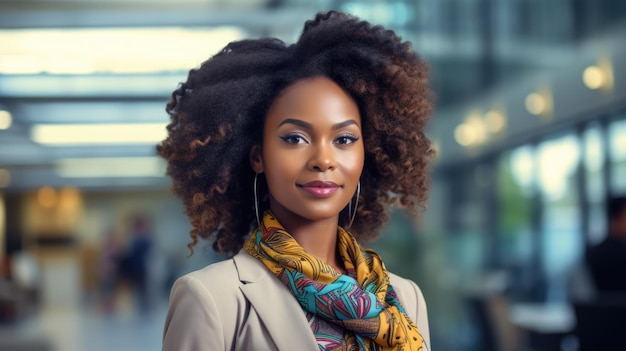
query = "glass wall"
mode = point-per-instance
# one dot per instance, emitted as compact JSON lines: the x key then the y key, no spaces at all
{"x":548,"y":206}
{"x":520,"y":219}
{"x":468,"y":222}
{"x":516,"y":182}
{"x":595,"y":184}
{"x":617,"y":147}
{"x":561,"y":226}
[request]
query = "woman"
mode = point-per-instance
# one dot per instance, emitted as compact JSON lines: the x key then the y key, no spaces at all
{"x":286,"y":156}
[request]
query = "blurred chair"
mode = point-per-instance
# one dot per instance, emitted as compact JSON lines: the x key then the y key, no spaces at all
{"x":600,"y":322}
{"x":489,"y":304}
{"x":497,"y":333}
{"x":486,"y":329}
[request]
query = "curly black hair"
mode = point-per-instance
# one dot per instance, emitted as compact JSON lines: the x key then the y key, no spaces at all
{"x":218,"y":115}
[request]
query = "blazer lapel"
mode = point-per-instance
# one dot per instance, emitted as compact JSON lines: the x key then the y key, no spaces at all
{"x":279,"y":310}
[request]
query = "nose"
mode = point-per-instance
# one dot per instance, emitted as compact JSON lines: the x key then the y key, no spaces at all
{"x":322,"y":158}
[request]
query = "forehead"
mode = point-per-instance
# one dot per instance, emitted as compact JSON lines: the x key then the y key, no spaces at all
{"x":314,"y":99}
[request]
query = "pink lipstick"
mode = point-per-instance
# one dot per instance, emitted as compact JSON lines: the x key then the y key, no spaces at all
{"x":320,"y":188}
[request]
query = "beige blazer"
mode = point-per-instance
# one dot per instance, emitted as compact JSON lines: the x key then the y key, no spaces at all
{"x":238,"y":304}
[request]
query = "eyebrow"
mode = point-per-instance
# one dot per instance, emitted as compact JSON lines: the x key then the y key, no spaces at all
{"x":307,"y":125}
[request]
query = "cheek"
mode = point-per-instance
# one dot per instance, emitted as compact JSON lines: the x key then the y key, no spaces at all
{"x":279,"y":177}
{"x":353,"y":163}
{"x":275,"y":161}
{"x":280,"y":169}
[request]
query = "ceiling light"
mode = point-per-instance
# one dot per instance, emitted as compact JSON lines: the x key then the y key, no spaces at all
{"x":593,"y":77}
{"x":540,"y":103}
{"x":107,"y":167}
{"x":599,"y":76}
{"x":464,"y":135}
{"x":110,"y":50}
{"x":5,"y":119}
{"x":473,"y":131}
{"x":495,"y":120}
{"x":97,"y":134}
{"x":535,"y":103}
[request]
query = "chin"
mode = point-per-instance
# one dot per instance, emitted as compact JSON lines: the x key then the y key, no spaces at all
{"x":320,"y":215}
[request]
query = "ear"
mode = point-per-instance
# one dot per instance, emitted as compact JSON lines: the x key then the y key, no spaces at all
{"x":256,"y":159}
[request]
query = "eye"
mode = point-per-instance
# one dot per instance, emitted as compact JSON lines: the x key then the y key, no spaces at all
{"x":293,"y":139}
{"x":346,"y":139}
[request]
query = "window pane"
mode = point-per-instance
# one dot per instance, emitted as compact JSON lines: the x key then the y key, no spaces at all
{"x":617,"y":143}
{"x":515,"y":178}
{"x":467,"y":245}
{"x":515,"y":240}
{"x":593,"y":166}
{"x":561,"y":236}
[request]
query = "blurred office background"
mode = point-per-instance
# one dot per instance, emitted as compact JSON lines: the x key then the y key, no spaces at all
{"x":530,"y":128}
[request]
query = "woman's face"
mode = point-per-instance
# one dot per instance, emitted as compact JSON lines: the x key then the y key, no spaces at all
{"x":312,"y":153}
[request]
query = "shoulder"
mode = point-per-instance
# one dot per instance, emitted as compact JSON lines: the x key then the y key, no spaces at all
{"x":412,"y":300}
{"x":223,"y":272}
{"x":217,"y":284}
{"x":218,"y":281}
{"x":204,"y":302}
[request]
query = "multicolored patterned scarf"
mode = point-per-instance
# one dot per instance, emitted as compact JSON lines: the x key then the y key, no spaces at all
{"x":357,"y":311}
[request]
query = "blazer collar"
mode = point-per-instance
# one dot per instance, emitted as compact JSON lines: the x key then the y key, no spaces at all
{"x":276,"y":306}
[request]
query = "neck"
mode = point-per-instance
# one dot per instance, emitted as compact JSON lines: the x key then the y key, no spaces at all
{"x":317,"y":238}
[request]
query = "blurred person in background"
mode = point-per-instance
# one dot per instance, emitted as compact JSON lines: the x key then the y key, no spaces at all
{"x":109,"y":270}
{"x":305,"y":146}
{"x":606,"y":261}
{"x":137,"y":259}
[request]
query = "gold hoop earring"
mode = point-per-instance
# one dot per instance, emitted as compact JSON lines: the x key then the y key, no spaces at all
{"x":356,"y":204}
{"x":256,"y":202}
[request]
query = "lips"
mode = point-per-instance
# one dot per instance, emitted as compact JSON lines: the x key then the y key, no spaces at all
{"x":320,"y":188}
